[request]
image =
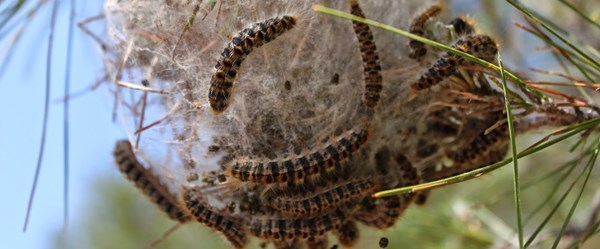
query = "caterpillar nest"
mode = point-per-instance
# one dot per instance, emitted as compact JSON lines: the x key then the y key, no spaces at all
{"x":266,"y":119}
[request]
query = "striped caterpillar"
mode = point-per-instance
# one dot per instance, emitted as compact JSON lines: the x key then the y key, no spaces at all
{"x":324,"y":201}
{"x":417,"y":26}
{"x":148,"y":183}
{"x":197,"y":207}
{"x":305,"y":228}
{"x":371,"y":64}
{"x":232,"y":57}
{"x":481,"y":46}
{"x":296,"y":169}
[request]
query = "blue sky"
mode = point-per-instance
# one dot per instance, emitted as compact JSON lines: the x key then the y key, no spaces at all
{"x":21,"y":107}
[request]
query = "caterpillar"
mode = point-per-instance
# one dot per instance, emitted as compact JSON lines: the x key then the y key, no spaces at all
{"x":323,"y":201}
{"x":305,"y":228}
{"x":481,"y":46}
{"x":409,"y":173}
{"x":481,"y":151}
{"x":479,"y":146}
{"x":148,"y":183}
{"x":418,"y":49}
{"x":347,"y":234}
{"x":368,"y":49}
{"x":197,"y":207}
{"x":296,"y":169}
{"x":384,"y":212}
{"x":301,"y":190}
{"x":462,"y":25}
{"x":232,"y":57}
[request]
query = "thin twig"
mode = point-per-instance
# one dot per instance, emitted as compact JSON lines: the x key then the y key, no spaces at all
{"x":46,"y":111}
